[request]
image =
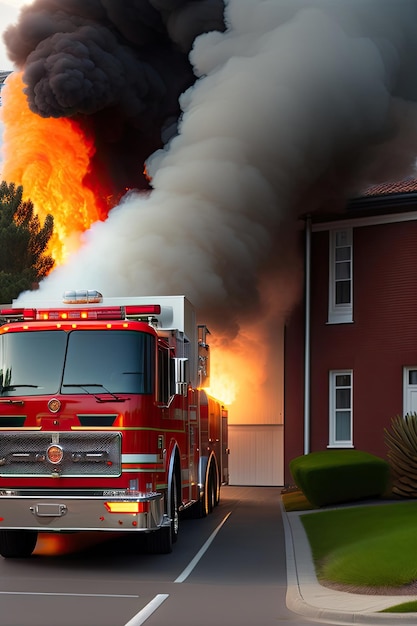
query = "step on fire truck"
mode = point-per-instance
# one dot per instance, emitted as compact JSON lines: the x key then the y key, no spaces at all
{"x":104,"y":422}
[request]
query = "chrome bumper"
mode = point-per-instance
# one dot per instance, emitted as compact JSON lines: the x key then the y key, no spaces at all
{"x":72,"y":513}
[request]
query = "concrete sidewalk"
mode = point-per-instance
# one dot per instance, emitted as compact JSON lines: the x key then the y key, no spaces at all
{"x":305,"y":595}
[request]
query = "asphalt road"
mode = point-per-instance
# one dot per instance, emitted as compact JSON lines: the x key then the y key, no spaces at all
{"x":227,"y":569}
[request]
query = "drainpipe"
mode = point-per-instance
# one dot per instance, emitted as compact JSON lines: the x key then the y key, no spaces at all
{"x":307,"y":337}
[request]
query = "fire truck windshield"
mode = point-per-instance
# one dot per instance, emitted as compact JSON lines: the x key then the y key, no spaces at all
{"x":55,"y":361}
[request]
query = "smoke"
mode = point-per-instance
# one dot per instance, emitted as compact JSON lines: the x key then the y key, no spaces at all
{"x":117,"y":67}
{"x":296,"y":105}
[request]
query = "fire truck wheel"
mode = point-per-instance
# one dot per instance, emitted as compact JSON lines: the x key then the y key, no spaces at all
{"x":160,"y":541}
{"x":15,"y":544}
{"x":212,"y":490}
{"x":175,"y":515}
{"x":209,"y":498}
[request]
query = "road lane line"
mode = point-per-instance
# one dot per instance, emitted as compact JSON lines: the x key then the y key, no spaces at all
{"x":76,"y":595}
{"x":187,"y":571}
{"x":147,"y":610}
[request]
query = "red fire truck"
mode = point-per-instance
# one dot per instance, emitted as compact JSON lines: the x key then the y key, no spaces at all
{"x":104,"y":422}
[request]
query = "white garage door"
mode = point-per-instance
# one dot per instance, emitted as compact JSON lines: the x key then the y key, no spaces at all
{"x":256,"y":455}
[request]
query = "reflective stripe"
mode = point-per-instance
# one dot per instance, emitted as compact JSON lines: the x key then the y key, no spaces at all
{"x":140,"y":458}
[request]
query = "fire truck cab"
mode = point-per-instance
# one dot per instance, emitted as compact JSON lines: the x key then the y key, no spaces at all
{"x":104,"y":420}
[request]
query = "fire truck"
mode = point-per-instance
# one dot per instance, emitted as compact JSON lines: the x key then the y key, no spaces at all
{"x":105,"y":424}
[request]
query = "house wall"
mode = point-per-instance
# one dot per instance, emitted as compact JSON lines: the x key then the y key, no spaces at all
{"x":380,"y":341}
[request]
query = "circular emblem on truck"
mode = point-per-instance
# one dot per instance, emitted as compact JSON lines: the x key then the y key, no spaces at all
{"x":54,"y":405}
{"x":54,"y":454}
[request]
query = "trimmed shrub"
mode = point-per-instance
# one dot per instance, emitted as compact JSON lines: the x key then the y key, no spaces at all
{"x":337,"y":476}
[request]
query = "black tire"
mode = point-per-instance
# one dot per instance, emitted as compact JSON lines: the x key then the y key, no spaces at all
{"x":17,"y":544}
{"x":174,"y":511}
{"x":212,"y":490}
{"x":161,"y":541}
{"x":209,"y":498}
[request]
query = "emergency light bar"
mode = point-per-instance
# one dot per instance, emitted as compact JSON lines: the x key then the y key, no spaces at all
{"x":82,"y":297}
{"x":96,"y":313}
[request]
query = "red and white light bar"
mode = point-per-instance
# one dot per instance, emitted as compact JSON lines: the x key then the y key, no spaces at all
{"x":96,"y":313}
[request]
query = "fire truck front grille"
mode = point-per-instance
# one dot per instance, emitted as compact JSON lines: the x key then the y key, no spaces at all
{"x":60,"y":454}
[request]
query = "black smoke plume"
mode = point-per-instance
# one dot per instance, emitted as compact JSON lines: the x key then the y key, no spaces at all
{"x":118,"y":67}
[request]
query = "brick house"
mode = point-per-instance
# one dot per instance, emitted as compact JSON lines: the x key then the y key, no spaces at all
{"x":351,"y":345}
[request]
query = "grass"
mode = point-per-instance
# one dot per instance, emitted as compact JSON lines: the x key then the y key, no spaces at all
{"x":366,"y":546}
{"x":405,"y":607}
{"x":362,"y":546}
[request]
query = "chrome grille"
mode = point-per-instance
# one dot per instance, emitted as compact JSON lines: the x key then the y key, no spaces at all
{"x":84,"y":454}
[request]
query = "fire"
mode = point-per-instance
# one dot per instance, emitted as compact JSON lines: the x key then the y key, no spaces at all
{"x":222,"y":387}
{"x":223,"y":381}
{"x":50,"y":158}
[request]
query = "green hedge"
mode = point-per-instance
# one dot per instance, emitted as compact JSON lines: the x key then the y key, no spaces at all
{"x":336,"y":476}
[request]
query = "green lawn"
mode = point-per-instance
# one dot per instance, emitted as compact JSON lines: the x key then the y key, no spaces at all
{"x":365,"y":545}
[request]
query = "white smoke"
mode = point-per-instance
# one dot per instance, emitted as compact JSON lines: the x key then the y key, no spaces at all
{"x":298,"y":104}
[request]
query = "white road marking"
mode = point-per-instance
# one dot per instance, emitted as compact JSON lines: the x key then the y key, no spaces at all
{"x":187,"y":571}
{"x":76,"y":595}
{"x":147,"y":610}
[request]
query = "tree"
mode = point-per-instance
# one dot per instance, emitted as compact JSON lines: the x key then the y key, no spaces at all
{"x":23,"y":241}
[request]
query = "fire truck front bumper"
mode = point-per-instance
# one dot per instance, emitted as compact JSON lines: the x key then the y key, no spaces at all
{"x":65,"y":513}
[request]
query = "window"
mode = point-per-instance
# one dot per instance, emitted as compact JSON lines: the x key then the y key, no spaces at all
{"x":409,"y":390}
{"x":116,"y":361}
{"x":166,"y":375}
{"x":340,"y":409}
{"x":31,"y":363}
{"x":340,"y":276}
{"x":87,"y":361}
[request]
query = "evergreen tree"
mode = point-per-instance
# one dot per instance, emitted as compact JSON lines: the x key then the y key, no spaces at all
{"x":23,"y":241}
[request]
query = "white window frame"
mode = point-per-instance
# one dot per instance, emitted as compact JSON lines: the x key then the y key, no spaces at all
{"x":333,"y":409}
{"x":340,"y":313}
{"x":409,"y":391}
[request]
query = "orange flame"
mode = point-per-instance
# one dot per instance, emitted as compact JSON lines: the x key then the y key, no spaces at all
{"x":50,"y":158}
{"x":223,"y":385}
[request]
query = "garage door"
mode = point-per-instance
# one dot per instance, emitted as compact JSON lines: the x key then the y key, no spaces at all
{"x":256,"y":454}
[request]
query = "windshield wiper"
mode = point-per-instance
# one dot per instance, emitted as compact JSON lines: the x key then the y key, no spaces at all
{"x":98,"y":399}
{"x":10,"y":387}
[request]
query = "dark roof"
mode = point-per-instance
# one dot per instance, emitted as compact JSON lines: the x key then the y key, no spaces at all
{"x":408,"y":185}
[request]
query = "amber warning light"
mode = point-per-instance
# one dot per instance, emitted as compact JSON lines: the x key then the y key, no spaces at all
{"x":127,"y":507}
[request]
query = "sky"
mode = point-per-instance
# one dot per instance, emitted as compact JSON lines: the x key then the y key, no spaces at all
{"x":9,"y":12}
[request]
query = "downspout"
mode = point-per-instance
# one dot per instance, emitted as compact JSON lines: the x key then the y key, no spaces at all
{"x":307,"y":289}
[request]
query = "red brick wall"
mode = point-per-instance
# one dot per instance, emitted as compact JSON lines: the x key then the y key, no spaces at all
{"x":380,"y":341}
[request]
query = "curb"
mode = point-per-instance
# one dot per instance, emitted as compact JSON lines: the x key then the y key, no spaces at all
{"x":307,"y":597}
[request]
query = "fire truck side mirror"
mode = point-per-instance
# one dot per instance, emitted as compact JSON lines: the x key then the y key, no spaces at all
{"x":181,"y":376}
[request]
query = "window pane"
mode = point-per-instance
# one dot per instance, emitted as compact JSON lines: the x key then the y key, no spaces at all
{"x":31,"y":363}
{"x":343,"y":426}
{"x":343,"y":254}
{"x":343,"y":292}
{"x":342,"y":380}
{"x":343,"y":237}
{"x":342,"y":270}
{"x":342,"y":398}
{"x":112,"y":360}
{"x":412,"y":377}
